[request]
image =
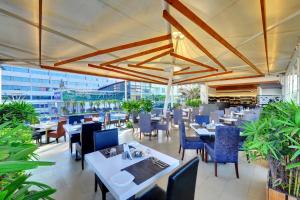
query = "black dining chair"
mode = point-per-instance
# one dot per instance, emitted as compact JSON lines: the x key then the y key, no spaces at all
{"x":86,"y":144}
{"x":181,"y":184}
{"x":74,"y":138}
{"x":102,"y":140}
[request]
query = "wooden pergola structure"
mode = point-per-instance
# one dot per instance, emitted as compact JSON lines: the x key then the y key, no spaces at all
{"x":181,"y":42}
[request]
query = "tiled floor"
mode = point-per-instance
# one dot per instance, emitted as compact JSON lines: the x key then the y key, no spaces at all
{"x":73,"y":183}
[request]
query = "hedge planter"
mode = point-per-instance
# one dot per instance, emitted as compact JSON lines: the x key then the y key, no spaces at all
{"x":273,"y":194}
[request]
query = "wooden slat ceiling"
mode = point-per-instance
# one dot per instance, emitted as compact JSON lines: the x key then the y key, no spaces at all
{"x":224,"y":39}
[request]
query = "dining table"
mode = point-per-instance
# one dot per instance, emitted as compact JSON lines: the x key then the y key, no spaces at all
{"x":209,"y":130}
{"x":144,"y":170}
{"x":47,"y":126}
{"x":228,"y":119}
{"x":71,"y":129}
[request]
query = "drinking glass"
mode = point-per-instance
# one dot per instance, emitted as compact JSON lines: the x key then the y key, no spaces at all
{"x":112,"y":152}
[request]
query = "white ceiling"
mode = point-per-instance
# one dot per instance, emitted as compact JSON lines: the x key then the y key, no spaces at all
{"x":76,"y":27}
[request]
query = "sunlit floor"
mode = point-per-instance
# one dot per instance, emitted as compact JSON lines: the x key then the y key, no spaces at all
{"x":73,"y":183}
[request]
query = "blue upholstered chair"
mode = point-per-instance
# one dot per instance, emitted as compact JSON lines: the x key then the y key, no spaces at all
{"x":181,"y":184}
{"x":189,"y":142}
{"x":164,"y":126}
{"x":157,"y":111}
{"x":106,"y":138}
{"x":177,"y":116}
{"x":86,"y":144}
{"x":102,"y":140}
{"x":146,"y":125}
{"x":225,"y":147}
{"x":75,"y":119}
{"x":200,"y":119}
{"x":220,"y":113}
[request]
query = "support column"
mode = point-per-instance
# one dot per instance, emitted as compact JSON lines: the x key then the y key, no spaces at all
{"x":168,"y":91}
{"x":126,"y":85}
{"x":204,"y":93}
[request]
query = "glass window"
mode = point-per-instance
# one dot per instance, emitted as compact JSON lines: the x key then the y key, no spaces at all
{"x":41,"y":72}
{"x":41,"y":97}
{"x":38,"y":80}
{"x":40,"y":89}
{"x":15,"y":87}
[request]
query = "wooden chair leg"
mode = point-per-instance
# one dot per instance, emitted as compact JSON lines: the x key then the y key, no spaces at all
{"x":65,"y":138}
{"x":179,"y":149}
{"x":236,"y":170}
{"x":71,"y":147}
{"x":197,"y":150}
{"x":202,"y":154}
{"x":82,"y":162}
{"x":182,"y":154}
{"x":247,"y":157}
{"x":140,"y":135}
{"x":56,"y":140}
{"x":206,"y":156}
{"x":96,"y":183}
{"x":216,"y":169}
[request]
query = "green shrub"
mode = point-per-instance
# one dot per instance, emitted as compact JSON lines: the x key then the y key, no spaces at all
{"x":195,"y":103}
{"x":276,"y":137}
{"x":17,"y":112}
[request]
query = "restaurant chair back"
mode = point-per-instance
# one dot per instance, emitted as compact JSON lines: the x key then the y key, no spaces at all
{"x":200,"y":119}
{"x":177,"y":116}
{"x":214,"y":117}
{"x":164,"y":126}
{"x":195,"y":111}
{"x":105,"y":138}
{"x":88,"y":119}
{"x":220,"y":113}
{"x":195,"y":143}
{"x":227,"y":111}
{"x":75,"y":119}
{"x":182,"y":182}
{"x":145,"y":124}
{"x":157,"y":111}
{"x":60,"y":131}
{"x":225,"y":148}
{"x":86,"y":144}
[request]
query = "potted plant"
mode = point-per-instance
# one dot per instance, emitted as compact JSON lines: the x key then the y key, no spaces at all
{"x":193,"y":103}
{"x":275,"y":137}
{"x":17,"y":154}
{"x":146,"y":105}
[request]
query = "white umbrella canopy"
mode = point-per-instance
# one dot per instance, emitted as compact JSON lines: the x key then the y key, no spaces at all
{"x":71,"y":28}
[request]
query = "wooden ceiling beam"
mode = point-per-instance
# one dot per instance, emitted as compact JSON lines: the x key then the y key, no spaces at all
{"x":124,"y":73}
{"x":117,"y":48}
{"x":181,"y":70}
{"x":180,"y":28}
{"x":155,"y":57}
{"x":193,"y":61}
{"x":40,"y":30}
{"x":201,"y":77}
{"x":93,"y":74}
{"x":235,"y":78}
{"x":130,"y":70}
{"x":199,"y":22}
{"x":149,"y":51}
{"x":264,"y":23}
{"x":193,"y":72}
{"x":146,"y":67}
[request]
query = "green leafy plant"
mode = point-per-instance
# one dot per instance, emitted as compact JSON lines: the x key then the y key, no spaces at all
{"x":146,"y":105}
{"x":17,"y":112}
{"x":16,"y":156}
{"x":194,"y":103}
{"x":276,"y":137}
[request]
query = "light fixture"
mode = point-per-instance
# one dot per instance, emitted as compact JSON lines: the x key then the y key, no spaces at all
{"x":178,"y":35}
